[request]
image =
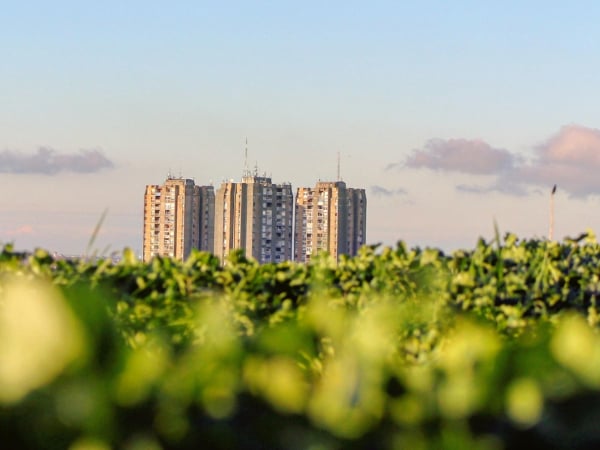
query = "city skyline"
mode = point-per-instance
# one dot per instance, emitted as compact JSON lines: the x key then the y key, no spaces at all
{"x":262,"y":218}
{"x":454,"y":117}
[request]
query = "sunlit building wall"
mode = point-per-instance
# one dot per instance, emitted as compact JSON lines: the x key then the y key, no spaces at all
{"x":178,"y":216}
{"x":329,"y":217}
{"x":254,"y":215}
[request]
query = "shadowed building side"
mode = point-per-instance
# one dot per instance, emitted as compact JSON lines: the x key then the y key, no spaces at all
{"x":205,"y":201}
{"x":357,"y":219}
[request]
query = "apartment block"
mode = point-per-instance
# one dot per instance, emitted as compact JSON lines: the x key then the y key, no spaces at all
{"x":178,"y":216}
{"x":254,"y":215}
{"x":329,"y":217}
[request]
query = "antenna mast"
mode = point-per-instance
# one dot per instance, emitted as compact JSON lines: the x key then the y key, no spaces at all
{"x":246,"y":170}
{"x":339,"y":176}
{"x":551,"y":230}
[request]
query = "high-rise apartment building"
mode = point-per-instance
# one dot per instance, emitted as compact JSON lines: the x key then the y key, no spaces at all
{"x":178,"y":216}
{"x":254,"y":215}
{"x":329,"y":217}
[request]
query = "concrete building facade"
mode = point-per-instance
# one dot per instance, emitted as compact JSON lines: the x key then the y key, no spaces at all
{"x":178,"y":216}
{"x":205,"y":200}
{"x":254,"y":215}
{"x":329,"y":217}
{"x":357,"y":219}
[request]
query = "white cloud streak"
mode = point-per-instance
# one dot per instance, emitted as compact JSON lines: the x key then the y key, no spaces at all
{"x":380,"y":191}
{"x":51,"y":162}
{"x":502,"y":188}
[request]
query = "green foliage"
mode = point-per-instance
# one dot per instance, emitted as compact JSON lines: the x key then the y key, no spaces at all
{"x":496,"y":347}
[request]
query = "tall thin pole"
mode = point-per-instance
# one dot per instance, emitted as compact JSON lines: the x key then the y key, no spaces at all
{"x":246,"y":170}
{"x":339,"y":170}
{"x":551,"y":230}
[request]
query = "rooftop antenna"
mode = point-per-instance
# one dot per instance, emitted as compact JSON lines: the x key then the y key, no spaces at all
{"x":551,"y":230}
{"x":246,"y":170}
{"x":339,"y":176}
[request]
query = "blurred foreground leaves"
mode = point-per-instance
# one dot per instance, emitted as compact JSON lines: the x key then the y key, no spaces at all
{"x":492,"y":348}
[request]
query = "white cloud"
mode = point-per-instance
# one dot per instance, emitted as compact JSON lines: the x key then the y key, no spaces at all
{"x":461,"y":155}
{"x":380,"y":191}
{"x":570,"y":159}
{"x":50,"y":162}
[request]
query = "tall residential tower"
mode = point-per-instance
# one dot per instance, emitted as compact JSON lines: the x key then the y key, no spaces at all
{"x":254,"y":215}
{"x":329,"y":217}
{"x":178,"y":216}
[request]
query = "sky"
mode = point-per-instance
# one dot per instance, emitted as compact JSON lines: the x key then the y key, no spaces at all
{"x":454,"y":116}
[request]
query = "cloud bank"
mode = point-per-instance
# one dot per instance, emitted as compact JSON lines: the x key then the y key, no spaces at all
{"x":570,"y":158}
{"x":50,"y":162}
{"x":461,"y":155}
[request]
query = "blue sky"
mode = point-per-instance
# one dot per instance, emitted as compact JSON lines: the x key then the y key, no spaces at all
{"x":453,"y":115}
